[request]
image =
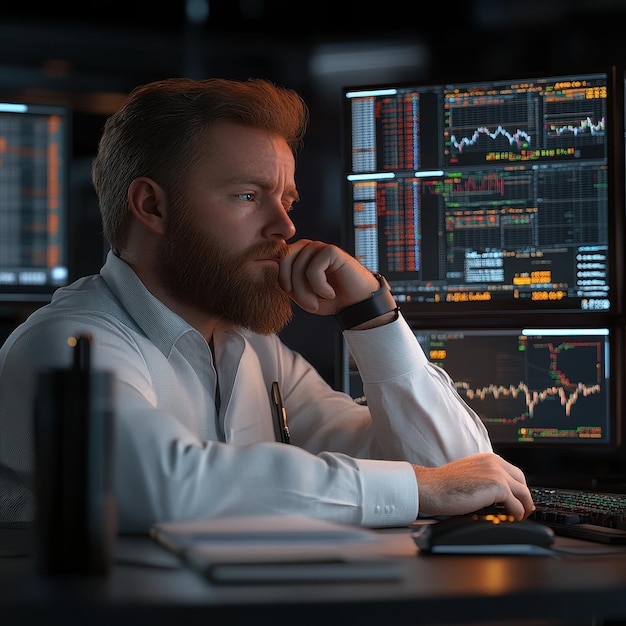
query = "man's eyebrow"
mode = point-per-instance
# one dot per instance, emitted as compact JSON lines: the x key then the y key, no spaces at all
{"x":245,"y":180}
{"x":251,"y":180}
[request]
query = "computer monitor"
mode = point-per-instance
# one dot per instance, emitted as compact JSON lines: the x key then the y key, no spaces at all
{"x":540,"y":392}
{"x":489,"y":196}
{"x":34,"y":204}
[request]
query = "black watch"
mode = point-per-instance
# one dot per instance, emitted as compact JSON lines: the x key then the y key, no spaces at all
{"x":379,"y":303}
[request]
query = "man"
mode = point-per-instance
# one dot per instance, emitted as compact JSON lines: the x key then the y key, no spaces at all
{"x":196,"y":182}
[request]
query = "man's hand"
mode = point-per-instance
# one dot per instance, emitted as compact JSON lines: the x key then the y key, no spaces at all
{"x":322,"y":278}
{"x":471,"y":483}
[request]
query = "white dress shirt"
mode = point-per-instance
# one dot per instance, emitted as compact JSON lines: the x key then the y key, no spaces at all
{"x":179,"y":456}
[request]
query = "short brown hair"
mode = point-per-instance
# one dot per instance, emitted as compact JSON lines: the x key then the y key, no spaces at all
{"x":156,"y":130}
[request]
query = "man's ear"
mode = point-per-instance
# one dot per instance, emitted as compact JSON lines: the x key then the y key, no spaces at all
{"x":148,"y":202}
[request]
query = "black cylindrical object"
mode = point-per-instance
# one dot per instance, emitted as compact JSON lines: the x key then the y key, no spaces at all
{"x":75,"y":515}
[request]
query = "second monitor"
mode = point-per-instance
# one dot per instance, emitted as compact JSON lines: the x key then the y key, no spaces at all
{"x":531,"y":387}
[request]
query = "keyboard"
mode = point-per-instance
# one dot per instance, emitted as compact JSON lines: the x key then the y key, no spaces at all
{"x":583,"y":514}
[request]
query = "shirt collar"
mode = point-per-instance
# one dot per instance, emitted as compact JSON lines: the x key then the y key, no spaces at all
{"x":160,"y":324}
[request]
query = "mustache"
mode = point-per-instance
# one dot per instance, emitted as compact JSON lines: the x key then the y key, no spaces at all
{"x":270,"y":250}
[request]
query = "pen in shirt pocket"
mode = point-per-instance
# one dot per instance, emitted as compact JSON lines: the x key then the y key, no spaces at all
{"x":280,"y":415}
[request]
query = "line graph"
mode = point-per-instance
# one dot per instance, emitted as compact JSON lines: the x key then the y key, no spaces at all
{"x":506,"y":124}
{"x":567,"y":397}
{"x":524,"y":380}
{"x":519,"y":139}
{"x":585,"y":126}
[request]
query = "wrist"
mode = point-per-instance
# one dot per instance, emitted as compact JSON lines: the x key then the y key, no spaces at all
{"x":380,"y":302}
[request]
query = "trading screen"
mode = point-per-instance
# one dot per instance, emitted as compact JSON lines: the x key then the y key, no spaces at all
{"x":494,"y":195}
{"x":529,"y":386}
{"x":34,"y":166}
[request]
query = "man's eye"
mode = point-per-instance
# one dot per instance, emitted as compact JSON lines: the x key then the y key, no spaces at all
{"x":248,"y":197}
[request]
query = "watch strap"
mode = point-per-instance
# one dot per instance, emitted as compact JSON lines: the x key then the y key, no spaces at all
{"x":379,"y":303}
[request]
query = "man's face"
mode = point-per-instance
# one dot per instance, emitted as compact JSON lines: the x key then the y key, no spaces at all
{"x":225,"y":238}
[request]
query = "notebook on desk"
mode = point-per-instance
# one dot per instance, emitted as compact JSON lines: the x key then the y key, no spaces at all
{"x":279,"y":548}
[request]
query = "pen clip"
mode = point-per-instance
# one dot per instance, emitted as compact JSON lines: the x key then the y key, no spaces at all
{"x":280,"y":414}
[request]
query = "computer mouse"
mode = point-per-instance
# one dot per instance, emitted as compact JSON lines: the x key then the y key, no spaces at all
{"x":482,"y":534}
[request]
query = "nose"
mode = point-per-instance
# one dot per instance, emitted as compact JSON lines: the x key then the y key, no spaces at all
{"x":279,"y":226}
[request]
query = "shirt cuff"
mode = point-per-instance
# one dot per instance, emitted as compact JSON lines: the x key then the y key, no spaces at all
{"x":390,"y":490}
{"x":370,"y":347}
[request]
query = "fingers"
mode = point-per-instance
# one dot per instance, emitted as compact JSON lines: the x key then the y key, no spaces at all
{"x":303,"y":273}
{"x":322,"y":278}
{"x":519,"y":502}
{"x":515,"y":495}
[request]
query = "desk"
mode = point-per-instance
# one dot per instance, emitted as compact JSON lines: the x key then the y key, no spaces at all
{"x":149,"y":586}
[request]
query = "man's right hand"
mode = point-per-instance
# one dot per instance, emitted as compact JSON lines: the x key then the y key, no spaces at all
{"x":471,"y":483}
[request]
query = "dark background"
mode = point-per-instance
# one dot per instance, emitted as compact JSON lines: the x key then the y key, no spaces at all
{"x":90,"y":56}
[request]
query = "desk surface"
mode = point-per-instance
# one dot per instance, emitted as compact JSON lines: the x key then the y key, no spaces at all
{"x":149,"y":583}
